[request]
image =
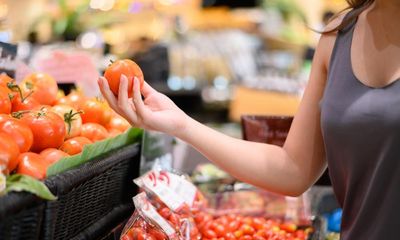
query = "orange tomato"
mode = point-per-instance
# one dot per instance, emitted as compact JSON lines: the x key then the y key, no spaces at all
{"x":19,"y":132}
{"x":47,"y":127}
{"x":72,"y":119}
{"x":52,"y":155}
{"x":74,"y":145}
{"x":94,"y":132}
{"x":32,"y":164}
{"x":9,"y":152}
{"x":95,"y":111}
{"x":5,"y":102}
{"x":44,"y":87}
{"x":118,"y":123}
{"x":127,"y":67}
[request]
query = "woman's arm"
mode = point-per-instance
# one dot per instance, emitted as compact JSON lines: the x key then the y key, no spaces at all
{"x":289,"y":170}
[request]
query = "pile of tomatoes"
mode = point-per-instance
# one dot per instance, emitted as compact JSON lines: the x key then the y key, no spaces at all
{"x":39,"y":126}
{"x":234,"y":226}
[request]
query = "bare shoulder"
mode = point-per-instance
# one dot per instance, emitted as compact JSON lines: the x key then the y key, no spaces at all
{"x":328,"y":38}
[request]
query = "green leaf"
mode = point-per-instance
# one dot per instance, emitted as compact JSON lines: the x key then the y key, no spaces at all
{"x":18,"y":183}
{"x":91,"y":151}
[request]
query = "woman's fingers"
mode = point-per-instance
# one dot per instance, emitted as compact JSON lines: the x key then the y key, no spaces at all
{"x":137,"y":99}
{"x":147,"y":89}
{"x":107,"y":94}
{"x":123,"y":100}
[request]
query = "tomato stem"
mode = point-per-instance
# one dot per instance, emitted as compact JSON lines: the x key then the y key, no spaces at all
{"x":69,"y":118}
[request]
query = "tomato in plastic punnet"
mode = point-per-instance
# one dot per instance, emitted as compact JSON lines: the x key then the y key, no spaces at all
{"x":43,"y":87}
{"x":5,"y":102}
{"x":74,"y":145}
{"x":47,"y":127}
{"x":9,"y":152}
{"x":95,"y":111}
{"x":72,"y":119}
{"x":52,"y":155}
{"x":32,"y":164}
{"x":127,"y":67}
{"x":94,"y":132}
{"x":19,"y":132}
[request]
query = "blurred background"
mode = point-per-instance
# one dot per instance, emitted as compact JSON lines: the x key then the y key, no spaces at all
{"x":217,"y":59}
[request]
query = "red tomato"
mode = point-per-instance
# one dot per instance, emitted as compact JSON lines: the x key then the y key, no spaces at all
{"x":127,"y":67}
{"x":74,"y":145}
{"x":119,"y":123}
{"x":52,"y":155}
{"x":19,"y":132}
{"x":113,"y":132}
{"x":246,"y":237}
{"x":165,"y":212}
{"x":229,"y":236}
{"x":32,"y":164}
{"x":44,"y":87}
{"x":47,"y":127}
{"x":5,"y":102}
{"x":247,"y":229}
{"x":93,"y":131}
{"x":72,"y":119}
{"x":219,"y":230}
{"x":233,"y":226}
{"x":9,"y":152}
{"x":95,"y":111}
{"x":23,"y":104}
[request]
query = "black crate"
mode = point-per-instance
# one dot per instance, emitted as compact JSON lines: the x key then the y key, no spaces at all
{"x":21,"y":216}
{"x":89,"y":193}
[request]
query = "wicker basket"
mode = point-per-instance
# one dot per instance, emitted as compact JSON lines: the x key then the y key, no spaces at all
{"x":86,"y":195}
{"x":21,"y":216}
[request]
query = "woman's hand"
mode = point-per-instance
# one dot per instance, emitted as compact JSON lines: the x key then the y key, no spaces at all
{"x":156,"y":112}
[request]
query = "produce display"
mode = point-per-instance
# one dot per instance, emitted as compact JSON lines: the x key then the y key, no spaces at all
{"x":39,"y":125}
{"x":171,"y":207}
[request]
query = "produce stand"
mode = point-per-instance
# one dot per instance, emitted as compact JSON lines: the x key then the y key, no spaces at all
{"x":92,"y":198}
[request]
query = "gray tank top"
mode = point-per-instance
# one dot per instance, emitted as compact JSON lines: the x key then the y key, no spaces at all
{"x":361,"y":131}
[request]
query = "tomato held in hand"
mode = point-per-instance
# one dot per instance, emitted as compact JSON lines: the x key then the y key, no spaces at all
{"x":52,"y":155}
{"x":32,"y":164}
{"x":47,"y":127}
{"x":19,"y":132}
{"x":127,"y":67}
{"x":44,"y":88}
{"x":94,"y":132}
{"x":9,"y":152}
{"x":74,"y":145}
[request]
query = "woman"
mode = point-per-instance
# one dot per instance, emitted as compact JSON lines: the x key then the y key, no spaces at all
{"x":347,"y":120}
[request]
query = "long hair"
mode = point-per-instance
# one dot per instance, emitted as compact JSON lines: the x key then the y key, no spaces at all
{"x":357,"y":6}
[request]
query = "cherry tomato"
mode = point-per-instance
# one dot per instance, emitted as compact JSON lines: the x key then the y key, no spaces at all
{"x":47,"y":127}
{"x":19,"y":132}
{"x":246,"y":237}
{"x":127,"y":67}
{"x":93,"y":131}
{"x":72,"y":119}
{"x":74,"y":145}
{"x":52,"y":155}
{"x":220,"y":230}
{"x":118,"y":123}
{"x":95,"y":111}
{"x":165,"y":212}
{"x":5,"y":102}
{"x":32,"y":164}
{"x":43,"y":87}
{"x":157,"y":234}
{"x":208,"y":233}
{"x":233,"y":226}
{"x":9,"y":152}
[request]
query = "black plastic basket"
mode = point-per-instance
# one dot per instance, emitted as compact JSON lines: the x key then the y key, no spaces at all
{"x":86,"y":195}
{"x":21,"y":216}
